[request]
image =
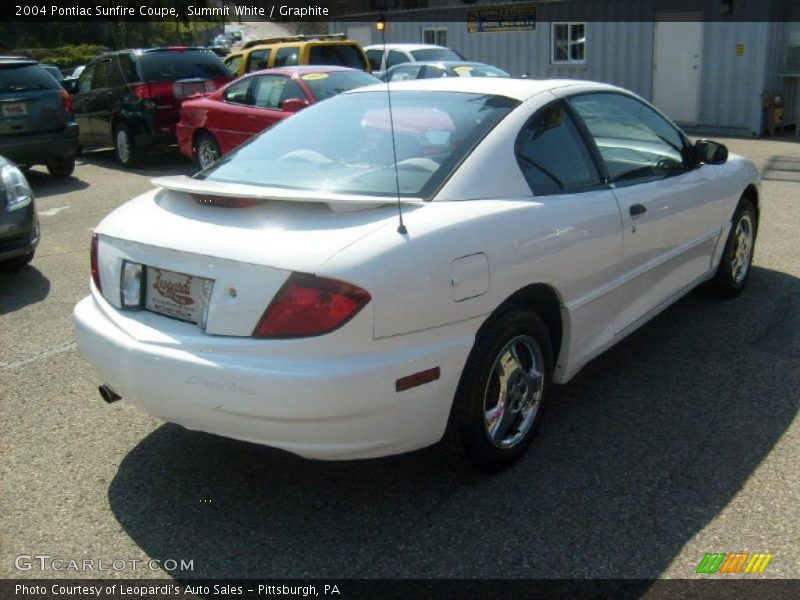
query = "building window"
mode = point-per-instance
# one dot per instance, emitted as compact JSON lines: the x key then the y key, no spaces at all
{"x":569,"y":42}
{"x":435,"y":35}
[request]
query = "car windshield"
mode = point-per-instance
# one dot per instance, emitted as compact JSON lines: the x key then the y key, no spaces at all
{"x":325,"y":85}
{"x":25,"y":78}
{"x":344,"y":145}
{"x":424,"y":54}
{"x":170,"y":65}
{"x":341,"y":55}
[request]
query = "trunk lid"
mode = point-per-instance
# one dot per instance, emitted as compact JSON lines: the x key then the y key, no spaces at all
{"x":248,"y":253}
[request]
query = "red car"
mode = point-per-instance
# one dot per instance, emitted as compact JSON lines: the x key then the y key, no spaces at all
{"x":213,"y":125}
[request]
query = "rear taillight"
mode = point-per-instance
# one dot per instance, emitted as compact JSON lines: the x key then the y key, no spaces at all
{"x":147,"y":91}
{"x":307,"y":305}
{"x":94,"y":265}
{"x":66,"y":101}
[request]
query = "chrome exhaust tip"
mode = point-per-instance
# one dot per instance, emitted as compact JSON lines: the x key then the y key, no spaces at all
{"x":108,"y":394}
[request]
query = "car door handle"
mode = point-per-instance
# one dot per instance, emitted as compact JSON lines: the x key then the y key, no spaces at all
{"x":637,"y":209}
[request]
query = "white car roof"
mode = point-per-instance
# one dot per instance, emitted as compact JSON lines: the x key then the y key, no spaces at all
{"x":408,"y":47}
{"x":518,"y":89}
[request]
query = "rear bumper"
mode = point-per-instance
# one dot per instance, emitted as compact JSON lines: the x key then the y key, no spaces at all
{"x":40,"y":148}
{"x":185,"y":138}
{"x":338,"y":407}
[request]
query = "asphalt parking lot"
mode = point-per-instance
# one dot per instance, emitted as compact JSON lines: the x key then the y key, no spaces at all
{"x":683,"y":439}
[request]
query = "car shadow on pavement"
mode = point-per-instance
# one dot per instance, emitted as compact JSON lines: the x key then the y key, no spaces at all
{"x":155,"y":164}
{"x":43,"y":185}
{"x":638,"y":454}
{"x":24,"y":288}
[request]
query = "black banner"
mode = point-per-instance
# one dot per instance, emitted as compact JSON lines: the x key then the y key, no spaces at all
{"x":392,"y":10}
{"x":389,"y":589}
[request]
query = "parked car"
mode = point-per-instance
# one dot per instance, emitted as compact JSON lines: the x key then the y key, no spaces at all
{"x":432,"y":70}
{"x":131,"y":98}
{"x":277,"y":297}
{"x":382,"y":57}
{"x":19,"y":224}
{"x":334,"y":49}
{"x":221,"y":40}
{"x":234,"y":35}
{"x":213,"y":125}
{"x":221,"y":51}
{"x":37,"y":126}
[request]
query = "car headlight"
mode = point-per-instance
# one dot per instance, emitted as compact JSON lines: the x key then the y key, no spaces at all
{"x":18,"y":192}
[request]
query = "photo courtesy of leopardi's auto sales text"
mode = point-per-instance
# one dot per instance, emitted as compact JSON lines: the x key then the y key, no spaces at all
{"x":399,"y":299}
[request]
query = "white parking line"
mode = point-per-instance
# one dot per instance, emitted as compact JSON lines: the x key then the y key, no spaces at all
{"x":51,"y":212}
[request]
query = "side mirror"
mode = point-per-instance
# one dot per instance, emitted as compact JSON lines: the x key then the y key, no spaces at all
{"x":293,"y":105}
{"x":711,"y":153}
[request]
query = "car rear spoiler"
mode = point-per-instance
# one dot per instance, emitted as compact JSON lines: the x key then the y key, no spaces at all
{"x":337,"y":202}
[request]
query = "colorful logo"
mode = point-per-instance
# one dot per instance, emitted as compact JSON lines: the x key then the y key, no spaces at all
{"x":735,"y":562}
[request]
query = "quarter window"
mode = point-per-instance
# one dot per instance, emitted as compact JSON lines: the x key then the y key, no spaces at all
{"x":634,"y":140}
{"x":569,"y":42}
{"x":552,"y":154}
{"x":405,"y":72}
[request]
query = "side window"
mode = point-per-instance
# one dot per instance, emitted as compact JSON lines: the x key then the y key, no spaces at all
{"x":552,"y":154}
{"x":271,"y":90}
{"x":237,"y":92}
{"x":431,"y":72}
{"x":394,"y":57}
{"x":286,"y":56}
{"x":127,"y":68}
{"x":405,"y":72}
{"x":102,"y":76}
{"x":635,"y":141}
{"x":115,"y":75}
{"x":233,"y":63}
{"x":374,"y":57}
{"x":258,"y":59}
{"x":86,"y":79}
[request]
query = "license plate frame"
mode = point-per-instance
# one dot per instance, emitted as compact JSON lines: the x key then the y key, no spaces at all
{"x":177,"y":295}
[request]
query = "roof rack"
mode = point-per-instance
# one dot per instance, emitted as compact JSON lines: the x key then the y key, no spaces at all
{"x":294,"y":38}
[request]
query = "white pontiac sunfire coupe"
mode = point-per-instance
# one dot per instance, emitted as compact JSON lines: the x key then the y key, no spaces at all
{"x":274,"y":297}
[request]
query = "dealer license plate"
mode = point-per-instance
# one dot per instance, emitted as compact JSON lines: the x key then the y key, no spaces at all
{"x":19,"y":109}
{"x":177,"y":294}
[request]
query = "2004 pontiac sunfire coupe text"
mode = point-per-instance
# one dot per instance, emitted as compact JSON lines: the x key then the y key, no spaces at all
{"x":273,"y":298}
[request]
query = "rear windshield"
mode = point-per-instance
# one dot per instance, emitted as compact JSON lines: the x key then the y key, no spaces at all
{"x":25,"y":78}
{"x":435,"y":54}
{"x":344,"y":145}
{"x":169,"y":65}
{"x":341,"y":55}
{"x":478,"y":71}
{"x":325,"y":85}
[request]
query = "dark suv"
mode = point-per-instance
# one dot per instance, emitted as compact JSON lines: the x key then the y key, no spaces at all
{"x":36,"y":122}
{"x":131,"y":99}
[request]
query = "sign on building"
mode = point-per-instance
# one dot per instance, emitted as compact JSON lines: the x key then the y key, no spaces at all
{"x":502,"y":19}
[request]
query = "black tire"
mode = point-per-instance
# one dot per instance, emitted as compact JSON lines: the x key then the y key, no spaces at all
{"x":205,"y":147}
{"x":736,"y":263}
{"x":126,"y":151}
{"x":468,"y":437}
{"x":12,"y":265}
{"x":62,"y":168}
